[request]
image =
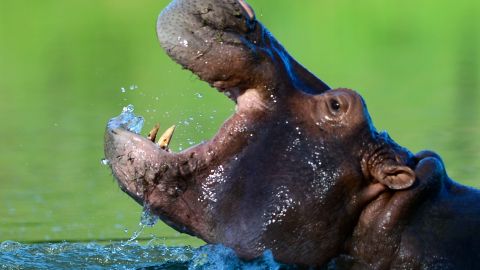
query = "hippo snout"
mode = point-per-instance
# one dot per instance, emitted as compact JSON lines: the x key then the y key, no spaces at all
{"x":205,"y":35}
{"x":187,"y":28}
{"x":194,"y":21}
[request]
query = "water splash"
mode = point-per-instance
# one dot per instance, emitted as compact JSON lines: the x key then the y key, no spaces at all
{"x":132,"y":87}
{"x":91,"y":256}
{"x":283,"y":202}
{"x":127,"y":120}
{"x":220,"y":257}
{"x":104,"y":161}
{"x":48,"y":256}
{"x":211,"y":185}
{"x":147,"y":219}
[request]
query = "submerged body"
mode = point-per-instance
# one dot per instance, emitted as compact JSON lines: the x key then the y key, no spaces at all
{"x":299,"y":169}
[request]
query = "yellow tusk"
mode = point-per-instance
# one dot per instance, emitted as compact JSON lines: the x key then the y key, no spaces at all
{"x":152,"y":135}
{"x":166,"y":137}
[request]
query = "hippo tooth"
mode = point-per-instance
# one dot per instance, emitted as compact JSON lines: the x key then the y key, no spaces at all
{"x":166,"y":137}
{"x":152,"y":135}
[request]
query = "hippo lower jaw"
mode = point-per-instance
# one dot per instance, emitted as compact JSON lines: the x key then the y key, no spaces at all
{"x":165,"y":182}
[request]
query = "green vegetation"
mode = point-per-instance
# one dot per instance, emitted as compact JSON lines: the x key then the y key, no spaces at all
{"x":63,"y":65}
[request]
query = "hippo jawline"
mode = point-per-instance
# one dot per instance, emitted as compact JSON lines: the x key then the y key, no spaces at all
{"x":139,"y":164}
{"x":136,"y":160}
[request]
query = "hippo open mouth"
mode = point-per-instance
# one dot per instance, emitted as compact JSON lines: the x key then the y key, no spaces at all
{"x":223,"y":44}
{"x":272,"y":175}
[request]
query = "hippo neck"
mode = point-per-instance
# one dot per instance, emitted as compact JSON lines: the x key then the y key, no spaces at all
{"x":379,"y":232}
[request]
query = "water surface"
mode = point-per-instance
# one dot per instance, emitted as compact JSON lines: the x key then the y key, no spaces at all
{"x":66,"y":67}
{"x":125,"y":256}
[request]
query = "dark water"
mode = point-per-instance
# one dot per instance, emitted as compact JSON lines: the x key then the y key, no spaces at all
{"x":14,"y":255}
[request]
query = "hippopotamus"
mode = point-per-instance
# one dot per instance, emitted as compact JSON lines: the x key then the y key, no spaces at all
{"x":298,"y":169}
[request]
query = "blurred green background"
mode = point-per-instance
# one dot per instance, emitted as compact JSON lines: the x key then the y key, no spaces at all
{"x":66,"y":67}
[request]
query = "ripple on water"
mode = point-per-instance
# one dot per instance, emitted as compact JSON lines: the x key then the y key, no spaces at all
{"x":14,"y":255}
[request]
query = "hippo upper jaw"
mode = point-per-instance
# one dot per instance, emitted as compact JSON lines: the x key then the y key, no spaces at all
{"x":224,"y":45}
{"x":213,"y":39}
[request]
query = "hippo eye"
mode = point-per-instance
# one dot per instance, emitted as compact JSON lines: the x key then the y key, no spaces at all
{"x":335,"y":105}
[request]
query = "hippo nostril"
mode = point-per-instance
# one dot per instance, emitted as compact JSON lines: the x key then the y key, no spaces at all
{"x":248,"y":9}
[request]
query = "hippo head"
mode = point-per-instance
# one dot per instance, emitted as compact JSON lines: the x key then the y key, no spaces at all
{"x":290,"y":171}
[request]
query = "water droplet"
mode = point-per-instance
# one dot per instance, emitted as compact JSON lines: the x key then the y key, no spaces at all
{"x":148,"y":219}
{"x":123,"y":89}
{"x":105,"y":161}
{"x":129,"y":109}
{"x":182,"y":42}
{"x":128,"y":120}
{"x":198,"y":95}
{"x":133,"y":87}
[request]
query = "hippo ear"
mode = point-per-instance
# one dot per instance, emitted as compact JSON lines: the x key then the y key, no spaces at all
{"x":394,"y":176}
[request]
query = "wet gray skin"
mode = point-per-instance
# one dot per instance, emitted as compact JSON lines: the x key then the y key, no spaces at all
{"x":293,"y":170}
